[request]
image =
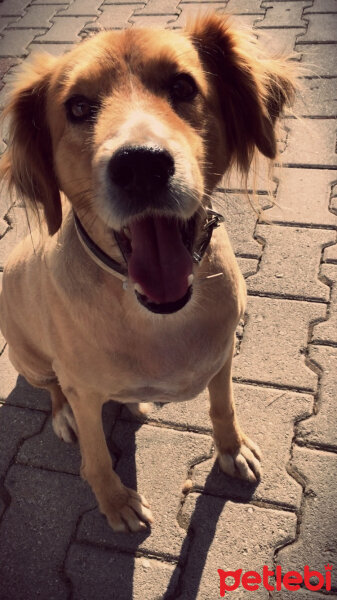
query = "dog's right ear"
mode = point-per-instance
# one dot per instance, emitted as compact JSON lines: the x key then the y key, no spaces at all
{"x":27,"y":164}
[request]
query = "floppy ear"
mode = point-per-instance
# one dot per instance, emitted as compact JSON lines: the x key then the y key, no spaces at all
{"x":27,"y":164}
{"x":252,"y":90}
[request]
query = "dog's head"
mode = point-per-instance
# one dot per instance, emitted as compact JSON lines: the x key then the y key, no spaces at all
{"x":136,"y":128}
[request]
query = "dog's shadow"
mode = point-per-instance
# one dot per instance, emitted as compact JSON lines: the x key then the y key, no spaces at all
{"x":109,"y":566}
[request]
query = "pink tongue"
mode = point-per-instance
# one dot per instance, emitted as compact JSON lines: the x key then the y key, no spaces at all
{"x":159,"y":262}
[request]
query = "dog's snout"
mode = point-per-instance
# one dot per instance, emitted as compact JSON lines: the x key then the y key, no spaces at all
{"x":139,"y":169}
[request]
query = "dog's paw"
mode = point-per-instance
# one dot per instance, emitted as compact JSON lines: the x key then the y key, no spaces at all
{"x":140,"y":410}
{"x":244,"y":462}
{"x":130,"y":512}
{"x":64,"y":424}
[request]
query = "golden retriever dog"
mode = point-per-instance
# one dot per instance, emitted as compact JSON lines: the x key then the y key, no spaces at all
{"x":128,"y":290}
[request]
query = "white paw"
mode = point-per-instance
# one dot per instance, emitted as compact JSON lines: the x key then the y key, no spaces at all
{"x":64,"y":424}
{"x":244,"y":462}
{"x":128,"y":512}
{"x":140,"y":410}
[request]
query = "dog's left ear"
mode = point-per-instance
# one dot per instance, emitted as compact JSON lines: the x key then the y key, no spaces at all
{"x":27,"y":164}
{"x":251,"y":89}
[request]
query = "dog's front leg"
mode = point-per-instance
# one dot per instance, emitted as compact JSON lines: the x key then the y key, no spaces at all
{"x":237,"y":454}
{"x":124,"y":508}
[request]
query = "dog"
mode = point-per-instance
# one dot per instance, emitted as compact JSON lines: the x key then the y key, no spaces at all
{"x":129,"y":289}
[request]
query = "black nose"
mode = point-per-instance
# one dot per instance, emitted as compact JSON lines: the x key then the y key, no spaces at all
{"x":141,"y":169}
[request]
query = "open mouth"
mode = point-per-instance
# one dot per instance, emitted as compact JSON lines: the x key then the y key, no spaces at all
{"x":158,"y":250}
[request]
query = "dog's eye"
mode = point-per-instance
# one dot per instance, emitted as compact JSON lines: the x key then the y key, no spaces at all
{"x":183,"y":88}
{"x":80,"y":108}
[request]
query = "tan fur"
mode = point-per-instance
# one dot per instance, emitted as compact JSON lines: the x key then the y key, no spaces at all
{"x":70,"y":326}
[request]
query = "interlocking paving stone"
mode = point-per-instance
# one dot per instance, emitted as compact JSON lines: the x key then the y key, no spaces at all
{"x":303,"y":595}
{"x":286,"y":249}
{"x":191,"y":10}
{"x":247,"y":266}
{"x":267,"y":416}
{"x":19,"y":229}
{"x":116,"y":16}
{"x":330,"y":254}
{"x":303,"y":198}
{"x":317,"y":98}
{"x":13,"y":7}
{"x":259,"y":179}
{"x":321,"y":428}
{"x":47,"y":451}
{"x":322,"y":6}
{"x":156,"y":21}
{"x":159,"y":7}
{"x":64,"y":29}
{"x":281,"y":361}
{"x":242,"y":7}
{"x":280,"y":42}
{"x":158,"y":468}
{"x":15,"y":41}
{"x":36,"y":530}
{"x":35,"y":17}
{"x":79,"y":8}
{"x":321,"y":28}
{"x":18,"y":424}
{"x":99,"y":573}
{"x":16,"y":391}
{"x":316,"y":545}
{"x":310,"y":142}
{"x":245,"y":539}
{"x":5,"y":65}
{"x":320,"y":59}
{"x":240,"y":221}
{"x":284,"y":14}
{"x":326,"y":332}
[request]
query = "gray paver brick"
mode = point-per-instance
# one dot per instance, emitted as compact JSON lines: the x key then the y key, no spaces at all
{"x":161,"y":486}
{"x":258,"y":180}
{"x":36,"y":530}
{"x":247,"y":266}
{"x":303,"y":198}
{"x":159,"y":7}
{"x":240,"y":221}
{"x":326,"y":332}
{"x":15,"y":41}
{"x":116,"y":16}
{"x":288,"y":249}
{"x":330,"y":254}
{"x":321,"y":28}
{"x":35,"y":17}
{"x":53,"y":49}
{"x":97,"y":573}
{"x":303,"y":595}
{"x":64,"y":29}
{"x":310,"y":142}
{"x":267,"y":416}
{"x":191,"y":10}
{"x":245,"y":539}
{"x":19,"y":424}
{"x":161,"y":21}
{"x":319,"y":59}
{"x":321,"y":428}
{"x":317,"y":98}
{"x":242,"y":7}
{"x":13,"y":7}
{"x":284,"y":323}
{"x":316,"y":545}
{"x":284,"y":14}
{"x":16,"y":391}
{"x":281,"y":42}
{"x":322,"y":6}
{"x":82,"y":7}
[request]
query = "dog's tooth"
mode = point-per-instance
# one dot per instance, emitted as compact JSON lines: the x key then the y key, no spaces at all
{"x":139,"y":289}
{"x":190,"y":279}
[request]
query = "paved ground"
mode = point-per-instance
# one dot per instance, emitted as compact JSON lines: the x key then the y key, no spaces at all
{"x":53,"y":542}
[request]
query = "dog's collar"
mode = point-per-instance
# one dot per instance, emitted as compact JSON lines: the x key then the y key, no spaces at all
{"x":103,"y":260}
